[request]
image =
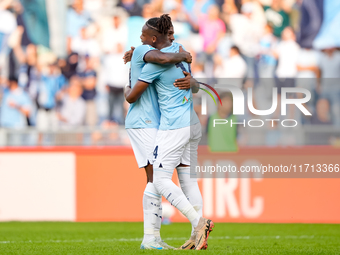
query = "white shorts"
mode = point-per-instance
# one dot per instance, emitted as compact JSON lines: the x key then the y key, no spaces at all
{"x":173,"y":147}
{"x":46,"y":120}
{"x":143,"y":143}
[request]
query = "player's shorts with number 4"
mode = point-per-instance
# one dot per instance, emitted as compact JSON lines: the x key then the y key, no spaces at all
{"x":143,"y":142}
{"x":176,"y":146}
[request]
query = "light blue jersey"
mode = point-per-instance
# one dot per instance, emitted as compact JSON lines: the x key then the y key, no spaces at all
{"x":144,"y":113}
{"x":11,"y":117}
{"x":176,"y":106}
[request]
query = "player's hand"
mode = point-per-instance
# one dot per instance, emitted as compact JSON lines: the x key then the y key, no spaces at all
{"x":186,"y":55}
{"x":183,"y":83}
{"x":128,"y":55}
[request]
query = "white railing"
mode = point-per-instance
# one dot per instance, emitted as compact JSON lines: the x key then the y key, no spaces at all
{"x":81,"y":136}
{"x":117,"y":135}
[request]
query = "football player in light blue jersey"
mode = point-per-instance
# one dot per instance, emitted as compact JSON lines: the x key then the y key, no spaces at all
{"x":176,"y":142}
{"x":142,"y":122}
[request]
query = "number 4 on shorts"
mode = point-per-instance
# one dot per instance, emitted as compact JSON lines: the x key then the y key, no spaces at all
{"x":155,"y":152}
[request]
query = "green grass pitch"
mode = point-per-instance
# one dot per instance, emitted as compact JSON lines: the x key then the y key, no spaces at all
{"x":125,"y":238}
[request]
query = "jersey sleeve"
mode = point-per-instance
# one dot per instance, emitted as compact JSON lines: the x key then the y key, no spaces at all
{"x":141,"y":51}
{"x":151,"y":72}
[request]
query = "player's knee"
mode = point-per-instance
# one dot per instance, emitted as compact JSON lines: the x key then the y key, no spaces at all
{"x":161,"y":180}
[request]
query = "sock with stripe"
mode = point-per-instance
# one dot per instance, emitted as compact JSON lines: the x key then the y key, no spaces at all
{"x":158,"y":225}
{"x":190,"y":189}
{"x":168,"y":189}
{"x":151,"y":207}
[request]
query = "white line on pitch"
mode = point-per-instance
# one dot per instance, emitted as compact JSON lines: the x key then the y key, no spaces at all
{"x":166,"y":239}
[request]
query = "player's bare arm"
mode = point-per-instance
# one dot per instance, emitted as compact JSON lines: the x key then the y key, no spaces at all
{"x":158,"y":57}
{"x":187,"y":82}
{"x":132,"y":94}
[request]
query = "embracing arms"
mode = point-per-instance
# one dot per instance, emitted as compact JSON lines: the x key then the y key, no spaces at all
{"x":158,"y":57}
{"x":132,"y":94}
{"x":188,"y":82}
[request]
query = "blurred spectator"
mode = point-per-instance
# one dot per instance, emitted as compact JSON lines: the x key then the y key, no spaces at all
{"x":83,"y":44}
{"x":36,"y":20}
{"x":7,"y":20}
{"x":18,"y":9}
{"x":329,"y":64}
{"x":212,"y":29}
{"x":73,"y":108}
{"x":77,"y":18}
{"x":307,"y":64}
{"x":116,"y":34}
{"x":178,"y":18}
{"x":194,"y":9}
{"x":328,"y":35}
{"x":69,"y":65}
{"x":308,"y":73}
{"x":267,"y":61}
{"x":287,"y":53}
{"x":131,"y":6}
{"x":222,"y":137}
{"x":15,"y":106}
{"x":95,"y":7}
{"x":28,"y":63}
{"x":116,"y":76}
{"x":277,"y":15}
{"x":89,"y":80}
{"x":322,"y":114}
{"x":7,"y":26}
{"x":29,"y":71}
{"x":246,"y":34}
{"x":232,"y":67}
{"x":197,"y":70}
{"x":135,"y":24}
{"x":228,"y":9}
{"x":311,"y":19}
{"x":51,"y":82}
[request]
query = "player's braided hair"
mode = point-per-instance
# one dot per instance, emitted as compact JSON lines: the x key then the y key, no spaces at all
{"x":164,"y":24}
{"x":161,"y":24}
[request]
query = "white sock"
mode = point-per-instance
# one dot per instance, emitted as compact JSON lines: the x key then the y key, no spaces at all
{"x":150,"y":208}
{"x":168,"y":189}
{"x":157,"y":231}
{"x":190,"y":189}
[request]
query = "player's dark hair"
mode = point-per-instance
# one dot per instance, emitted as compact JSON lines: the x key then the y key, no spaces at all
{"x":161,"y":24}
{"x":13,"y":78}
{"x":152,"y":23}
{"x":236,"y":48}
{"x":164,"y":24}
{"x":226,"y":94}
